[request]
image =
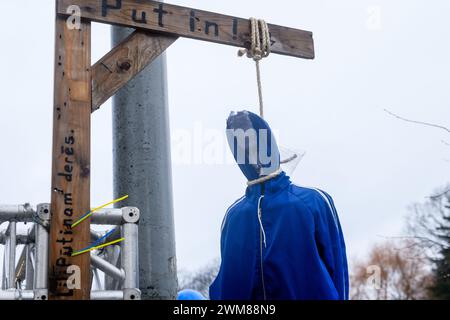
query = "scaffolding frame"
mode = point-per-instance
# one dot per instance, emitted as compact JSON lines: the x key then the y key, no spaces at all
{"x":25,"y":276}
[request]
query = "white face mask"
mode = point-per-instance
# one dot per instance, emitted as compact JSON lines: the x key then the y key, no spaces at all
{"x":290,"y":159}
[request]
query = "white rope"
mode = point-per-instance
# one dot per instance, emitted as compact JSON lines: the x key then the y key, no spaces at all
{"x":259,"y":49}
{"x":264,"y":178}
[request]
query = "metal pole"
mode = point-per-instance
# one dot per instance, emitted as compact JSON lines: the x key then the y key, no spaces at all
{"x":130,"y":261}
{"x":107,"y":295}
{"x":12,"y":255}
{"x":21,"y":237}
{"x":130,"y":256}
{"x":15,"y":294}
{"x":5,"y":251}
{"x":9,"y":295}
{"x":142,"y":169}
{"x":107,"y":268}
{"x":23,"y":213}
{"x":29,"y":271}
{"x":112,"y":255}
{"x":107,"y":216}
{"x":41,"y":266}
{"x":5,"y":263}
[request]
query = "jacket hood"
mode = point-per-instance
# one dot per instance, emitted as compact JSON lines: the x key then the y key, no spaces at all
{"x":253,"y":144}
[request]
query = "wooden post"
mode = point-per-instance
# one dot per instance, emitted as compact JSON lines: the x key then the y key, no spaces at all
{"x":71,"y":162}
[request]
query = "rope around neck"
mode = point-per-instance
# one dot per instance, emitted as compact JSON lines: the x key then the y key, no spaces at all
{"x":260,"y":48}
{"x":264,"y":178}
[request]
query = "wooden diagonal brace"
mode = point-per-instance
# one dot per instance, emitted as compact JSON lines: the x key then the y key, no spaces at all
{"x":124,"y":62}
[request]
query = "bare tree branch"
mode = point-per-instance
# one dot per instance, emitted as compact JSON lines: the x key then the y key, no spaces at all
{"x":418,"y":122}
{"x":423,"y":239}
{"x":445,"y":142}
{"x":440,"y":194}
{"x":426,"y":221}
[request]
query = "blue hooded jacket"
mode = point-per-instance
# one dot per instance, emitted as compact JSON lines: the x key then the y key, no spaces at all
{"x":279,"y":241}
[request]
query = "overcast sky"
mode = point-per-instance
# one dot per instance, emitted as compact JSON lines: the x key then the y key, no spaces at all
{"x":370,"y":55}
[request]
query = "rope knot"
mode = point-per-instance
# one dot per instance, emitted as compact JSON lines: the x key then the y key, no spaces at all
{"x":260,"y":40}
{"x":257,"y":55}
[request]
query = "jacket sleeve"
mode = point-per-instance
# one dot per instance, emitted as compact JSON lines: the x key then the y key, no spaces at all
{"x":331,"y":245}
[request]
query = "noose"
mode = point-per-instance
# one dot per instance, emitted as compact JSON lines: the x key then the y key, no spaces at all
{"x":259,"y":49}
